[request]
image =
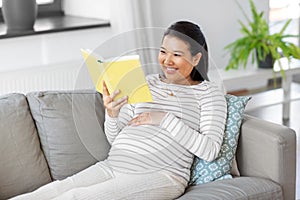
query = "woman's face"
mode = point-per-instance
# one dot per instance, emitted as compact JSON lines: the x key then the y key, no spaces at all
{"x":176,"y":60}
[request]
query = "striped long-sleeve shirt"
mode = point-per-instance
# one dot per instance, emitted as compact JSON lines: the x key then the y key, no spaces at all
{"x":194,"y":125}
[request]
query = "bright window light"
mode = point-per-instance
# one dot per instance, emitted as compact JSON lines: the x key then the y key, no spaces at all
{"x":284,"y":9}
{"x":44,"y":1}
{"x":38,"y":2}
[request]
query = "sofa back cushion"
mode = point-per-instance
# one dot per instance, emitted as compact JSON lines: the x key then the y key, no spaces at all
{"x":70,"y":126}
{"x":23,"y":166}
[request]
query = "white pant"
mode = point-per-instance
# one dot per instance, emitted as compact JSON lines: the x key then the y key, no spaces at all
{"x":100,"y":182}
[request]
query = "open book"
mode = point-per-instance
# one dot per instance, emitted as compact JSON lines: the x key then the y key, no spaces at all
{"x":123,"y":73}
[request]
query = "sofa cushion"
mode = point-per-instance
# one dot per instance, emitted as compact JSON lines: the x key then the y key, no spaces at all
{"x":23,"y":166}
{"x":203,"y":171}
{"x":240,"y":188}
{"x":70,"y":125}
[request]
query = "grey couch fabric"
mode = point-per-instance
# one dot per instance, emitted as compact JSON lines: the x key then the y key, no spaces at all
{"x":23,"y":167}
{"x":70,"y":127}
{"x":268,"y":150}
{"x":239,"y":188}
{"x":69,"y":132}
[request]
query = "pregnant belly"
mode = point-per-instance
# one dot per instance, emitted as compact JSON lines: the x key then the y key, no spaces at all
{"x":143,"y":140}
{"x":140,"y":148}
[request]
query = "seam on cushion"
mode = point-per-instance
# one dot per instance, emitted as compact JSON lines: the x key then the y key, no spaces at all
{"x":262,"y":194}
{"x":46,"y":136}
{"x":14,"y":136}
{"x":70,"y":92}
{"x":266,"y":193}
{"x":65,"y":92}
{"x":42,"y":152}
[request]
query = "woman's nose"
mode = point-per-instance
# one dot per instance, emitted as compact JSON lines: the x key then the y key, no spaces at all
{"x":168,"y":60}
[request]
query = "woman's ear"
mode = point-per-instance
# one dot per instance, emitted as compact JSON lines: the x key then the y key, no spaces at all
{"x":196,"y":58}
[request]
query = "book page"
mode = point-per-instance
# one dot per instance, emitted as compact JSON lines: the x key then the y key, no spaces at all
{"x":123,"y":73}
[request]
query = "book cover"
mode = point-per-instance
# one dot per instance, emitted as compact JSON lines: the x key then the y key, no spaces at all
{"x":124,"y":73}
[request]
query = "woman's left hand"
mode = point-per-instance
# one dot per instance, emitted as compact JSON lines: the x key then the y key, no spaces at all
{"x":149,"y":118}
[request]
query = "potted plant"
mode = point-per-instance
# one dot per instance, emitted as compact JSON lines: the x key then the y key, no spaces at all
{"x":257,"y":42}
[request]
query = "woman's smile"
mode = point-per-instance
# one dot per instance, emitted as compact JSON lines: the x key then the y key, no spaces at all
{"x":170,"y":70}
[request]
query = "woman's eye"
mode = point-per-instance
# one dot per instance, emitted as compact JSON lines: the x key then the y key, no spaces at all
{"x":162,"y":51}
{"x":176,"y":54}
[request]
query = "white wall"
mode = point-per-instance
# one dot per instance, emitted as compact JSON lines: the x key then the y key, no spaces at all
{"x":48,"y":49}
{"x":46,"y":61}
{"x":218,"y":20}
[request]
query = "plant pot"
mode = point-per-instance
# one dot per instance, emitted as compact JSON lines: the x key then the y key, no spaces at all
{"x":19,"y":15}
{"x":267,"y":63}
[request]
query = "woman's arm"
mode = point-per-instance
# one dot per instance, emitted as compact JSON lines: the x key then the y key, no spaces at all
{"x":113,"y":125}
{"x":116,"y":113}
{"x":205,"y":142}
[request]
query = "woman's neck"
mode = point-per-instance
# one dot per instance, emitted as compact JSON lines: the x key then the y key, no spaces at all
{"x":183,"y":82}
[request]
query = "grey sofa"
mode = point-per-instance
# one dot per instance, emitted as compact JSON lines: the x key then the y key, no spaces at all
{"x":46,"y":136}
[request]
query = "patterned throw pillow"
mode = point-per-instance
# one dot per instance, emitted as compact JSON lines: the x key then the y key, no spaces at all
{"x":203,"y":171}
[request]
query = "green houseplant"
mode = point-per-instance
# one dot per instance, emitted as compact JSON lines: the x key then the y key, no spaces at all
{"x":258,"y":44}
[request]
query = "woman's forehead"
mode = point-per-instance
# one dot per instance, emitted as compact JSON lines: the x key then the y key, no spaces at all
{"x":173,"y":43}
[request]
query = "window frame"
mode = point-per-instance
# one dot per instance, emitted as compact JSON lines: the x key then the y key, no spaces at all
{"x":45,"y":10}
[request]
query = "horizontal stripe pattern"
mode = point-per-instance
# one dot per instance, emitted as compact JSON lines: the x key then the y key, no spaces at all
{"x":194,"y":125}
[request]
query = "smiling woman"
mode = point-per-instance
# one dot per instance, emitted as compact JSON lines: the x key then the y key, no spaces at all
{"x":183,"y":47}
{"x":155,"y":141}
{"x":177,"y":61}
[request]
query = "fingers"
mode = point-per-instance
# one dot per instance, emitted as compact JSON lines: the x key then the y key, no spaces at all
{"x":107,"y":94}
{"x":110,"y":99}
{"x":150,"y":118}
{"x":118,"y":104}
{"x":144,"y":118}
{"x":113,"y":107}
{"x":114,"y":94}
{"x":105,"y":90}
{"x":135,"y":121}
{"x":111,"y":104}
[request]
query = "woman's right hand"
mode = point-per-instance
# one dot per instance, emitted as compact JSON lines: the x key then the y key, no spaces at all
{"x":112,"y":107}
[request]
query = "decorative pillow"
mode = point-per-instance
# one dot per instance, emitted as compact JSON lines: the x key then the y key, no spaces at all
{"x":70,"y":127}
{"x":203,"y":171}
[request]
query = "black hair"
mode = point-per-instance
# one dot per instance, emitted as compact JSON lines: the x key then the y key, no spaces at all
{"x":192,"y":34}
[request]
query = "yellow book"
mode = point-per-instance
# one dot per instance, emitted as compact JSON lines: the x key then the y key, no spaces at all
{"x":123,"y":73}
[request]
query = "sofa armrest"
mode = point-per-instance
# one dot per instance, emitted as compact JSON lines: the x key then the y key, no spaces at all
{"x":268,"y":150}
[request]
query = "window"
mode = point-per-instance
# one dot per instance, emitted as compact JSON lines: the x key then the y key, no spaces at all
{"x":44,"y":1}
{"x":45,"y":8}
{"x":280,"y":12}
{"x":49,"y":8}
{"x":39,"y":2}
